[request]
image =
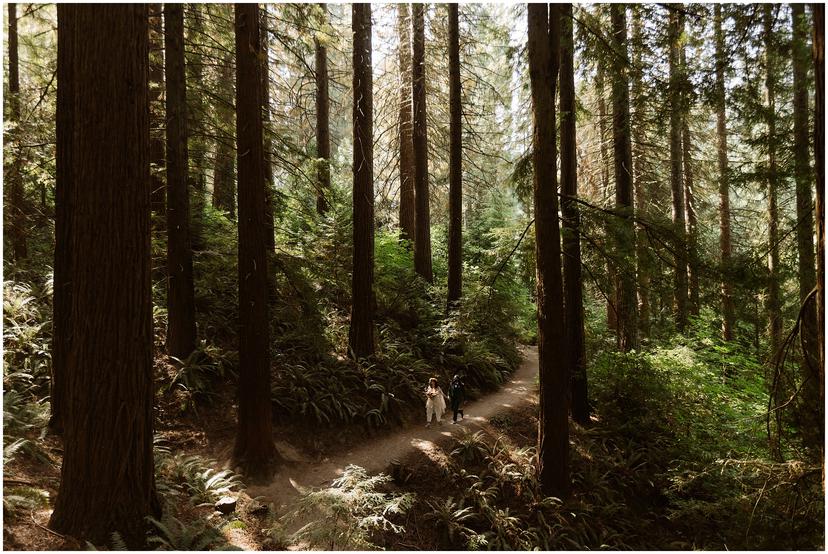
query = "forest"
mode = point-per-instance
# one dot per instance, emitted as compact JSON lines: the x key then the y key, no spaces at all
{"x":244,"y":245}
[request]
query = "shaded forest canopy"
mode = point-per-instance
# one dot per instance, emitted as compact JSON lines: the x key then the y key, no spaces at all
{"x":242,"y":238}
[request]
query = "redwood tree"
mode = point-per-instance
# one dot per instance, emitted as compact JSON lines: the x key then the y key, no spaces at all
{"x":675,"y":25}
{"x":455,"y":232}
{"x":407,"y":209}
{"x":627,"y":306}
{"x":573,"y":284}
{"x":773,"y":300}
{"x":361,"y":333}
{"x":157,"y":124}
{"x":422,"y":241}
{"x":254,"y":448}
{"x":107,"y":476}
{"x":16,"y":200}
{"x":728,"y":311}
{"x":804,"y":206}
{"x":323,"y":132}
{"x":181,"y":327}
{"x":553,"y":420}
{"x":818,"y":53}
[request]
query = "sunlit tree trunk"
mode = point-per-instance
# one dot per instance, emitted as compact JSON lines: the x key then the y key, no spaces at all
{"x":553,"y":427}
{"x":725,"y":248}
{"x":804,"y":213}
{"x":107,"y":474}
{"x":323,"y":132}
{"x":361,"y":333}
{"x":407,"y":201}
{"x":675,"y":25}
{"x":573,"y":283}
{"x":254,"y":449}
{"x":455,"y":238}
{"x":422,"y":242}
{"x":773,"y":300}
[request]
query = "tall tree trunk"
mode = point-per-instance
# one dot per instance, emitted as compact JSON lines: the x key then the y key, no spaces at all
{"x":407,"y":202}
{"x":361,"y":333}
{"x":675,"y":26}
{"x":270,"y":238}
{"x":16,"y":201}
{"x":254,"y":449}
{"x":773,"y":301}
{"x":157,"y":124}
{"x":181,"y":329}
{"x":195,"y":135}
{"x":224,"y":178}
{"x":818,"y":11}
{"x":323,"y":132}
{"x":455,"y":234}
{"x":642,"y":246}
{"x":573,"y":283}
{"x":612,"y":300}
{"x":627,"y":308}
{"x":805,"y":220}
{"x":553,"y":420}
{"x":107,"y":476}
{"x":728,"y":311}
{"x":62,"y":281}
{"x":691,"y":226}
{"x":422,"y":242}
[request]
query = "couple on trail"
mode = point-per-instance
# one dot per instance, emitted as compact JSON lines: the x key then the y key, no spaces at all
{"x":436,"y":399}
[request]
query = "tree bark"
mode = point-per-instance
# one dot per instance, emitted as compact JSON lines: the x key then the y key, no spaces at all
{"x":107,"y":476}
{"x":804,"y":212}
{"x":612,"y":300}
{"x":361,"y":333}
{"x":691,"y":227}
{"x":675,"y":26}
{"x":642,"y":246}
{"x":270,"y":238}
{"x":573,"y":282}
{"x":455,"y":232}
{"x":181,"y":328}
{"x":773,"y":303}
{"x":195,"y":135}
{"x":422,"y":242}
{"x":224,"y":178}
{"x":62,"y":293}
{"x":157,"y":124}
{"x":407,"y":201}
{"x":725,"y":248}
{"x":17,"y":197}
{"x":818,"y":52}
{"x":254,"y":449}
{"x":627,"y":308}
{"x":323,"y":132}
{"x":553,"y":420}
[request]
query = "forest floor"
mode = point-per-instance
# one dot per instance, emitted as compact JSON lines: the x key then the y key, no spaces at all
{"x":312,"y":458}
{"x":377,"y":454}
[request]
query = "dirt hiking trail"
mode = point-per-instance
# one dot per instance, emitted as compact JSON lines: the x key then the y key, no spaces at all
{"x":376,"y":454}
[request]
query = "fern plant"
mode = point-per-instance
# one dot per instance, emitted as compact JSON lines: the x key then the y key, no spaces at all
{"x":348,"y":514}
{"x":173,"y":534}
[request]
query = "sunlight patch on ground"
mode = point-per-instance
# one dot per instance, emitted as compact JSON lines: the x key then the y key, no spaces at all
{"x":432,"y":451}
